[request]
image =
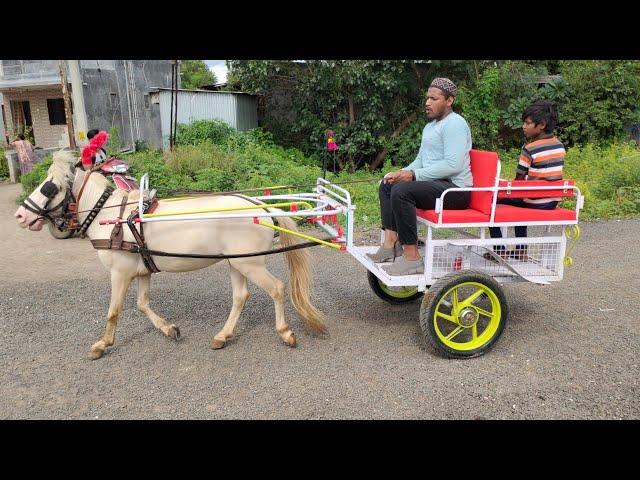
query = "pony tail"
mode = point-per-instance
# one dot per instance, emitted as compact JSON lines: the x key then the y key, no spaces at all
{"x":300,"y":273}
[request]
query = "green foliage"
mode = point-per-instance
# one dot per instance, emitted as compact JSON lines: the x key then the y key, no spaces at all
{"x":215,"y":131}
{"x":113,"y":143}
{"x":363,"y":102}
{"x":603,"y":98}
{"x":403,"y":149}
{"x":195,"y":74}
{"x":478,"y":104}
{"x":35,"y":177}
{"x":28,"y":135}
{"x":141,"y":146}
{"x":4,"y":166}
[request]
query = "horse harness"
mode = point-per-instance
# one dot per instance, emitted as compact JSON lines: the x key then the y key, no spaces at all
{"x":49,"y":190}
{"x":116,"y":240}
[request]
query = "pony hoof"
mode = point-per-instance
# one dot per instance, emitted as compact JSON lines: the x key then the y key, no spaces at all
{"x":96,"y":353}
{"x":291,"y":341}
{"x":173,"y":332}
{"x":217,"y":344}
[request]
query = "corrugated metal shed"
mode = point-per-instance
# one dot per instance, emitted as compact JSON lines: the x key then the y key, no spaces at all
{"x":239,"y":110}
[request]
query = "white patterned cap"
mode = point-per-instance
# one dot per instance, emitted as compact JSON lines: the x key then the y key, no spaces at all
{"x":446,"y":85}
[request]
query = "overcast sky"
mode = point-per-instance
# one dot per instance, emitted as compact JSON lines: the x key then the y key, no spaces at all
{"x":219,"y":68}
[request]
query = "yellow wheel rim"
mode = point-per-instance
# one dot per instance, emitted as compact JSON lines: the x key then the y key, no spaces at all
{"x":398,"y":292}
{"x":467,"y":316}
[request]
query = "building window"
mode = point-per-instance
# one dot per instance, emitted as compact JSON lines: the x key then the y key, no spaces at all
{"x":147,"y":101}
{"x":113,"y":100}
{"x":56,"y":111}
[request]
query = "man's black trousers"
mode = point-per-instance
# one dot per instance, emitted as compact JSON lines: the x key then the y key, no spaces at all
{"x":398,"y":204}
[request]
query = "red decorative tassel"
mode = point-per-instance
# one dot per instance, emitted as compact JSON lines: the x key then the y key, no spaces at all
{"x":89,"y":151}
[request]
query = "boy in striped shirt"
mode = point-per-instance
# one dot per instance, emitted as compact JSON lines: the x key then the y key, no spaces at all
{"x":540,"y":159}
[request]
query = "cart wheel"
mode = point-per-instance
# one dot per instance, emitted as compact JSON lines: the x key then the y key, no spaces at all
{"x":59,"y":234}
{"x":392,"y":294}
{"x":463,"y":314}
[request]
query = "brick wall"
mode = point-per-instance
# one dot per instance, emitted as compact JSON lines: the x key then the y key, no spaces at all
{"x":45,"y":135}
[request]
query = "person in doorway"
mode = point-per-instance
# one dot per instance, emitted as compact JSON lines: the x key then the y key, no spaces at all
{"x":442,"y":162}
{"x":26,"y":153}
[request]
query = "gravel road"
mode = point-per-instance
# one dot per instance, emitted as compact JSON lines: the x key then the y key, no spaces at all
{"x":570,"y":349}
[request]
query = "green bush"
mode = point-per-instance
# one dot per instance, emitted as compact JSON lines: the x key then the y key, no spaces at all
{"x":4,"y":166}
{"x":113,"y":143}
{"x":200,"y":131}
{"x":602,"y":99}
{"x":35,"y":177}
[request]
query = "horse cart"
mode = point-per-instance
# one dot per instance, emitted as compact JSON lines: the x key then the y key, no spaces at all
{"x":464,"y":309}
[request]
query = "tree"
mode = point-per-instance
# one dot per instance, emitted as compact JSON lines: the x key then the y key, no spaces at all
{"x":368,"y":104}
{"x":195,"y":73}
{"x":603,"y":98}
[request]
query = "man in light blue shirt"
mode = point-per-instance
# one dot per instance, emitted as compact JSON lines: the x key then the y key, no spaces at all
{"x":442,"y":162}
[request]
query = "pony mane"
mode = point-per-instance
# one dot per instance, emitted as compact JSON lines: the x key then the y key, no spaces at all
{"x":62,"y":167}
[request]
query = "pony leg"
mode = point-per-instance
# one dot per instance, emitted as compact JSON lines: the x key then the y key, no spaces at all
{"x":240,"y":297}
{"x":119,"y":286}
{"x":170,"y":330}
{"x":259,"y":275}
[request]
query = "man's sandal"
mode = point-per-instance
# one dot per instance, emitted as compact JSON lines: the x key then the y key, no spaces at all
{"x":385,"y":254}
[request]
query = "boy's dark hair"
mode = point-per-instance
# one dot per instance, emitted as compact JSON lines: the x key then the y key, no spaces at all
{"x":92,"y":133}
{"x":542,"y":111}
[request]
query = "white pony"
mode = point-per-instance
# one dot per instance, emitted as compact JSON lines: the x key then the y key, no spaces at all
{"x":208,"y":237}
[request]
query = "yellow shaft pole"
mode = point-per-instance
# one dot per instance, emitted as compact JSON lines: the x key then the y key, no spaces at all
{"x":298,"y":234}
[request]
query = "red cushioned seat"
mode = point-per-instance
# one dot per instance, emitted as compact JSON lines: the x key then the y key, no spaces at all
{"x":509,"y":213}
{"x":484,"y":169}
{"x":468,"y":215}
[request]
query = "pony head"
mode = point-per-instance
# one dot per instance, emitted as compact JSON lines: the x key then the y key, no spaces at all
{"x":49,"y":198}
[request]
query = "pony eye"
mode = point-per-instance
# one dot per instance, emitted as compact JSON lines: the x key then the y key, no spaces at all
{"x":49,"y":189}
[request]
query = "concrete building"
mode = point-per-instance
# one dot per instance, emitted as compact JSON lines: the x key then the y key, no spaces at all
{"x":104,"y":94}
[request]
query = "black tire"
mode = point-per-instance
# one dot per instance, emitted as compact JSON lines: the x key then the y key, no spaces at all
{"x":59,"y":234}
{"x":384,"y":292}
{"x":495,"y":304}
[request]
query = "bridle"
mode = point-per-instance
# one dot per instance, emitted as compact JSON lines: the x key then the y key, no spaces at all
{"x":49,"y":190}
{"x":69,"y":204}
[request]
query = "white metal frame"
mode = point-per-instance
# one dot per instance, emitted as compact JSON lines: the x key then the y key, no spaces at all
{"x":504,"y":273}
{"x":331,"y":199}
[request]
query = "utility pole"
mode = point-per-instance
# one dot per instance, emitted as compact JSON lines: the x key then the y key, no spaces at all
{"x":67,"y":104}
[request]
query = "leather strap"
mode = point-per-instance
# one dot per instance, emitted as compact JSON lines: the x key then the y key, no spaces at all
{"x":117,"y":234}
{"x":146,"y":258}
{"x":106,"y":244}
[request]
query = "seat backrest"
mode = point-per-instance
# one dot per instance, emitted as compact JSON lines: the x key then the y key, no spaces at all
{"x":546,"y":193}
{"x":484,"y":168}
